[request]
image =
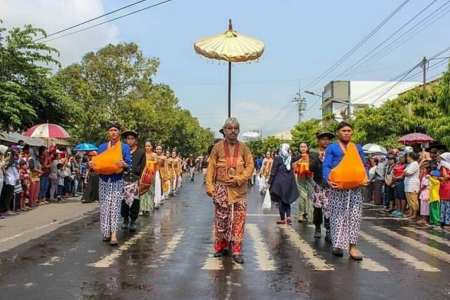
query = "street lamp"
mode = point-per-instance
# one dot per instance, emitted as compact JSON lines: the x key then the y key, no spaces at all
{"x":335,"y":100}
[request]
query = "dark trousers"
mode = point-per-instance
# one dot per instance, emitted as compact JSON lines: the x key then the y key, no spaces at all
{"x":318,"y":217}
{"x":8,"y":195}
{"x":130,"y":212}
{"x":285,"y":210}
{"x":60,"y":191}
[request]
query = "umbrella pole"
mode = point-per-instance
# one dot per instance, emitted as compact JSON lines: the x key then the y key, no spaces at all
{"x":229,"y":89}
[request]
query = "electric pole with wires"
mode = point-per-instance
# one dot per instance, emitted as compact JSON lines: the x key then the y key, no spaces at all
{"x":301,"y":104}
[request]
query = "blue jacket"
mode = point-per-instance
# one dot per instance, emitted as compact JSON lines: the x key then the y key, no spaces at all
{"x":126,"y":156}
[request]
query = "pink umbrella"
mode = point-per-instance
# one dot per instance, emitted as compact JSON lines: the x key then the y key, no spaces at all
{"x":47,"y":130}
{"x":415,"y":138}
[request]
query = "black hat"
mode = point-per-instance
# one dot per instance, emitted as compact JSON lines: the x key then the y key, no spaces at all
{"x":329,"y":135}
{"x":125,"y":134}
{"x":434,"y":150}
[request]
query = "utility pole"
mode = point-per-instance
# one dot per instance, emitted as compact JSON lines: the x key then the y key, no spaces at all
{"x":301,"y":104}
{"x":423,"y":64}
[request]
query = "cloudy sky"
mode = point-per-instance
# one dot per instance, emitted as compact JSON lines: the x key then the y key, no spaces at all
{"x":303,"y":39}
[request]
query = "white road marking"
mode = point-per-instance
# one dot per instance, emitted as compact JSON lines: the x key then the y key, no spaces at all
{"x":418,"y":245}
{"x":310,"y":255}
{"x":262,"y":253}
{"x":51,"y":261}
{"x":171,"y":246}
{"x":107,"y":261}
{"x":26,"y":231}
{"x":371,"y":265}
{"x":263,"y":215}
{"x":428,"y":235}
{"x":395,"y":252}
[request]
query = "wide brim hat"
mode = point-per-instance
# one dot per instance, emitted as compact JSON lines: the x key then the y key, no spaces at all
{"x":129,"y":132}
{"x":326,"y":134}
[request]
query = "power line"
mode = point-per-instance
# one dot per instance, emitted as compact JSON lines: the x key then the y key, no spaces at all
{"x":422,"y":25}
{"x":396,"y":78}
{"x":362,"y":42}
{"x":387,"y":39}
{"x":117,"y":18}
{"x":90,"y":20}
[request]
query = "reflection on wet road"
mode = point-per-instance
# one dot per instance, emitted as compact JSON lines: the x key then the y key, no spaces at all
{"x":170,"y":257}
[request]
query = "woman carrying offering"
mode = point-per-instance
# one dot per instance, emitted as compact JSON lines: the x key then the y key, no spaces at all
{"x":343,"y":169}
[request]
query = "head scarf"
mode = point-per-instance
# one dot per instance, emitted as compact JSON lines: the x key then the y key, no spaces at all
{"x":33,"y":155}
{"x":284,"y":153}
{"x":445,"y":160}
{"x":114,"y":124}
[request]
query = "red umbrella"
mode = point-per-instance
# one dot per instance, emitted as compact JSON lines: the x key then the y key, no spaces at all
{"x":47,"y":130}
{"x":415,"y":138}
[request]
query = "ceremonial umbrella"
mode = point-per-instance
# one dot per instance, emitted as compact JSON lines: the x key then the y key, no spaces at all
{"x":231,"y":47}
{"x":47,"y":130}
{"x":374,"y":148}
{"x":85,"y":147}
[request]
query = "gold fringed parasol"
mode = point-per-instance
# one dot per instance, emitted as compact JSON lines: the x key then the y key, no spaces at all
{"x":231,"y":47}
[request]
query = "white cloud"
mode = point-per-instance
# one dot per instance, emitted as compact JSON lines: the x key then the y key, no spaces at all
{"x":55,"y":15}
{"x":254,"y":116}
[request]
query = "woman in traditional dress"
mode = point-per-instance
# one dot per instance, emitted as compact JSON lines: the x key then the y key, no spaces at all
{"x":90,"y":193}
{"x":264,"y":173}
{"x":305,"y":183}
{"x":148,"y":197}
{"x":343,"y":169}
{"x":163,"y":171}
{"x":174,"y":167}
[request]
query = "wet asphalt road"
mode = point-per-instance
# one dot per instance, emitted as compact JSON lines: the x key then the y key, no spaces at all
{"x":170,"y":257}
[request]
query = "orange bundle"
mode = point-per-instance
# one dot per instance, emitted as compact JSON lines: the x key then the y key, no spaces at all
{"x":302,"y":169}
{"x":105,"y":162}
{"x":350,"y":173}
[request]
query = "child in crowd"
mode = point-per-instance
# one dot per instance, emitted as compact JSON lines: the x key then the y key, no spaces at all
{"x":434,"y":197}
{"x":424,"y":195}
{"x":61,"y":175}
{"x":25,"y":181}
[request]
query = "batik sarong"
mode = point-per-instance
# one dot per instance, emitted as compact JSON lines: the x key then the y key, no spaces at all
{"x":111,"y":194}
{"x":305,"y":189}
{"x":229,"y":221}
{"x":345,"y":218}
{"x":320,"y":198}
{"x":131,"y":190}
{"x":147,"y":199}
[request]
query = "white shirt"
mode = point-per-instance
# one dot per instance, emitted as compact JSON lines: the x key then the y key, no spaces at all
{"x":412,"y":182}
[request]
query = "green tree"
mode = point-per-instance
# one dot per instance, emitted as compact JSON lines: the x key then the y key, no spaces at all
{"x":115,"y":83}
{"x":306,"y":131}
{"x":28,"y":94}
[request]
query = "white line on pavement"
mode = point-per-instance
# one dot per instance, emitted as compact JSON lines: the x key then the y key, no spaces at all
{"x":262,"y":253}
{"x":395,"y":252}
{"x":171,"y":246}
{"x":428,"y":235}
{"x":371,"y":265}
{"x":418,"y":245}
{"x":109,"y":260}
{"x":27,"y":231}
{"x":310,"y":255}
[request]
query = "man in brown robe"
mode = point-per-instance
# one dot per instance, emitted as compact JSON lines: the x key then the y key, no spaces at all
{"x":229,"y":168}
